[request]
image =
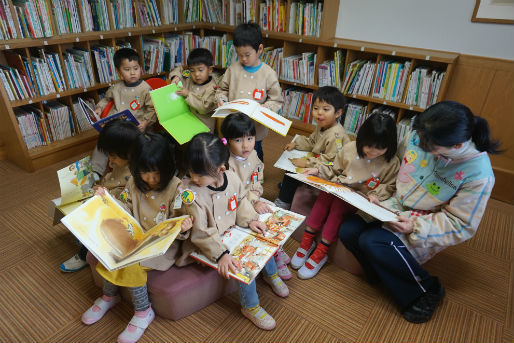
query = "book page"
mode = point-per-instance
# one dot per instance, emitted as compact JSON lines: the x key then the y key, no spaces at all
{"x":246,"y":106}
{"x":272,"y":120}
{"x":284,"y":161}
{"x":76,"y":181}
{"x":123,"y":115}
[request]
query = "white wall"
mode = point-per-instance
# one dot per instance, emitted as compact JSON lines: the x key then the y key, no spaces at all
{"x":431,"y":24}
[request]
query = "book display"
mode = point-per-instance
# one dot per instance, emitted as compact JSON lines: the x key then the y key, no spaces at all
{"x":55,"y":57}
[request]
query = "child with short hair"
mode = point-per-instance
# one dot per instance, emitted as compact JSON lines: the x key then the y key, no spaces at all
{"x":131,"y":93}
{"x":368,"y":165}
{"x":199,"y":87}
{"x":150,"y":195}
{"x":115,"y":141}
{"x":217,"y":200}
{"x":328,"y":138}
{"x":250,"y":78}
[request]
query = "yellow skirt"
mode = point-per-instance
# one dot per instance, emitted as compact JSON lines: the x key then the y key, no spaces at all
{"x":131,"y":276}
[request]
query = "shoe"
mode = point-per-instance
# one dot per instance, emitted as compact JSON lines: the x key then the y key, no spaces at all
{"x":422,"y":309}
{"x":300,"y":256}
{"x":136,"y":327}
{"x":277,"y":285}
{"x":98,"y":310}
{"x":259,"y":317}
{"x":306,"y":273}
{"x":281,"y":255}
{"x":284,"y":272}
{"x":73,"y":264}
{"x":282,"y":204}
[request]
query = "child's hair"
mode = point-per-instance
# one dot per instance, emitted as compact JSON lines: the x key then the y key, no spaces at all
{"x":125,"y":54}
{"x":448,"y":123}
{"x":200,"y":56}
{"x":117,"y":137}
{"x":237,"y":125}
{"x":205,"y":154}
{"x":378,"y":131}
{"x":330,"y":95}
{"x":248,"y":34}
{"x":152,"y":152}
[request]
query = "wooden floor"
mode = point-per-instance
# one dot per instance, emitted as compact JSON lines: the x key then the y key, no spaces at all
{"x":38,"y":303}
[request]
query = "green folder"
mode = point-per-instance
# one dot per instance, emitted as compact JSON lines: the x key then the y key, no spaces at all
{"x":174,"y":115}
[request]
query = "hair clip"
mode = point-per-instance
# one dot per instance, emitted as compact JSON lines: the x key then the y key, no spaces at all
{"x":224,"y":140}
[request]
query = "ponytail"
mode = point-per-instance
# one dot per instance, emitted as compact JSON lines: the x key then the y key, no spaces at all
{"x":481,"y":137}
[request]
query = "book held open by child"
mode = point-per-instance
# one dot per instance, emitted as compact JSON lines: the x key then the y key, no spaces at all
{"x":252,"y":250}
{"x":97,"y":122}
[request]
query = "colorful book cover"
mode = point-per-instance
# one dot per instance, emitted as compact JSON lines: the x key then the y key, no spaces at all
{"x":97,"y":123}
{"x":252,"y":250}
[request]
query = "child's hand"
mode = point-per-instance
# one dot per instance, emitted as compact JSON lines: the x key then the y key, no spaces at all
{"x":221,"y":102}
{"x":186,"y":224}
{"x":290,"y":146}
{"x":226,"y":265}
{"x":142,"y":125}
{"x":258,"y":226}
{"x":403,"y":225}
{"x":183,"y":91}
{"x":101,"y":191}
{"x":261,"y":207}
{"x":310,"y":171}
{"x":299,"y":162}
{"x":175,"y":79}
{"x":98,"y":110}
{"x":373,"y":199}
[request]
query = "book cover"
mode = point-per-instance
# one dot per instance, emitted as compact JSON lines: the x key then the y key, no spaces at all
{"x":97,"y":123}
{"x":257,"y":112}
{"x":252,"y":250}
{"x":114,"y":237}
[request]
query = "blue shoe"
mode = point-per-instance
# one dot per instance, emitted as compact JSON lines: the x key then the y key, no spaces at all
{"x":73,"y":264}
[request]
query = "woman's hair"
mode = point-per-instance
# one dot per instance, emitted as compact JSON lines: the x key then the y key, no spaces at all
{"x":205,"y":154}
{"x":237,"y":125}
{"x":117,"y":137}
{"x":448,"y":123}
{"x":378,"y":131}
{"x":152,"y":152}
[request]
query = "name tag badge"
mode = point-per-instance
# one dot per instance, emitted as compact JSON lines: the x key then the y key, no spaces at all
{"x":134,"y":105}
{"x":258,"y":94}
{"x":187,"y":196}
{"x":373,"y":182}
{"x":255,"y":177}
{"x":232,"y":203}
{"x":178,"y":202}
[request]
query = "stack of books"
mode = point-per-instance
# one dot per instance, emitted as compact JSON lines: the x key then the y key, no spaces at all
{"x":192,"y":11}
{"x":272,"y":15}
{"x":305,"y":18}
{"x":214,"y":11}
{"x":170,"y":11}
{"x":33,"y":18}
{"x":390,"y":80}
{"x":122,"y":14}
{"x":191,"y":41}
{"x":147,"y":13}
{"x":104,"y":62}
{"x":94,"y":15}
{"x":423,"y":87}
{"x":153,"y":54}
{"x":78,"y":68}
{"x":354,"y":117}
{"x":216,"y":45}
{"x":243,"y":11}
{"x":16,"y":85}
{"x":299,"y":68}
{"x":330,"y":72}
{"x":297,"y":104}
{"x":82,"y":120}
{"x":66,"y":16}
{"x":272,"y":57}
{"x":7,"y":28}
{"x":173,"y":46}
{"x":359,"y":76}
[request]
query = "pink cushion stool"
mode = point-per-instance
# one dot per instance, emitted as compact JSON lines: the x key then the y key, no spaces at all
{"x":178,"y":292}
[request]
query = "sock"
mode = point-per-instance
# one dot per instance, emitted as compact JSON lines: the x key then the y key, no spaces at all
{"x":319,"y":253}
{"x":107,"y":298}
{"x":306,"y":242}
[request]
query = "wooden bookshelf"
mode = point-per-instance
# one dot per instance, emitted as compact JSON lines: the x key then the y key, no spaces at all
{"x":323,"y":46}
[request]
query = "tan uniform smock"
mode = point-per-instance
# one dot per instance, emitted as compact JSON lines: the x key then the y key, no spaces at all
{"x":116,"y":180}
{"x":245,"y":169}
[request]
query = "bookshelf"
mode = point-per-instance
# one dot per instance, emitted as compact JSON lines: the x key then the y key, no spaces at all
{"x":140,"y":35}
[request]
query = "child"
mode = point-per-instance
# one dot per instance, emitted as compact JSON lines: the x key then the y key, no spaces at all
{"x":131,"y":93}
{"x":151,"y":196}
{"x":328,"y":138}
{"x":239,"y":132}
{"x":199,"y":86}
{"x":115,"y":141}
{"x":217,"y":199}
{"x":368,"y":165}
{"x":250,"y":78}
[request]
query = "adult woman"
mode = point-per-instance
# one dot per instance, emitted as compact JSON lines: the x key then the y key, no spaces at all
{"x":443,"y":187}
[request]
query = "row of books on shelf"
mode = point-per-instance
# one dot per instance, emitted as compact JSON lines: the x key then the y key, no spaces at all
{"x":358,"y":77}
{"x":7,"y":28}
{"x":404,"y":127}
{"x":33,"y":18}
{"x":299,"y":68}
{"x":423,"y":87}
{"x":272,"y":15}
{"x":273,"y":58}
{"x":330,"y":72}
{"x":390,"y":80}
{"x":297,"y":104}
{"x":66,"y":16}
{"x":305,"y":18}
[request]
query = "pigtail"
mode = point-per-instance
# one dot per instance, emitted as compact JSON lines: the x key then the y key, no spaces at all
{"x":481,"y":137}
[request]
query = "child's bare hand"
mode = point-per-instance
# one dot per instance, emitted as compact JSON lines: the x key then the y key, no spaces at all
{"x":98,"y":110}
{"x":310,"y":171}
{"x":187,"y":224}
{"x":261,"y":207}
{"x":175,"y":79}
{"x":101,"y":191}
{"x":221,"y":103}
{"x":403,"y":225}
{"x":299,"y":162}
{"x":226,"y":265}
{"x":373,"y":199}
{"x":290,"y":146}
{"x":258,"y":226}
{"x":183,"y":91}
{"x":142,"y":125}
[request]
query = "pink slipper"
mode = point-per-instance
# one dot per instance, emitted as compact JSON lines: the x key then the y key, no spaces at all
{"x":97,"y":311}
{"x":136,"y":327}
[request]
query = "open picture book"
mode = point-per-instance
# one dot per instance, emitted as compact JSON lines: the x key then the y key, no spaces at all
{"x":254,"y":110}
{"x":97,"y":122}
{"x":252,"y":250}
{"x":114,"y":237}
{"x":174,"y":114}
{"x":348,"y":195}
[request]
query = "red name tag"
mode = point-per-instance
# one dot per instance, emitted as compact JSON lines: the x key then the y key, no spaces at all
{"x":232,"y":203}
{"x":255,"y":177}
{"x":373,"y":182}
{"x":258,"y":94}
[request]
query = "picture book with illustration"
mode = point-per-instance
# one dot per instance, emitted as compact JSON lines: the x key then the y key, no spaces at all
{"x":97,"y":122}
{"x":259,"y":113}
{"x":114,"y":237}
{"x":252,"y":250}
{"x":348,"y":195}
